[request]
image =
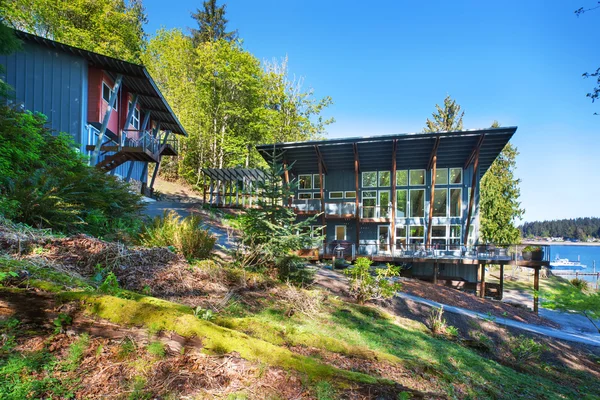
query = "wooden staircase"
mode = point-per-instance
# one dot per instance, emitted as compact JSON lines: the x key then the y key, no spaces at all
{"x":126,"y":153}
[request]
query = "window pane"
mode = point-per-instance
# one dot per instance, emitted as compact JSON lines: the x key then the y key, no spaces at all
{"x":441,"y":176}
{"x":401,"y":203}
{"x":303,"y":196}
{"x":417,"y":177}
{"x":440,"y":202}
{"x":402,"y":177}
{"x":455,"y":202}
{"x":340,"y":233}
{"x":336,"y":195}
{"x":369,"y":179}
{"x":438,"y":231}
{"x":369,"y":194}
{"x":305,"y":182}
{"x":455,"y":175}
{"x":350,"y":195}
{"x":417,"y":231}
{"x":417,"y":203}
{"x":317,"y":181}
{"x":384,"y":204}
{"x":384,"y":178}
{"x":106,"y":92}
{"x":455,"y":231}
{"x":317,"y":195}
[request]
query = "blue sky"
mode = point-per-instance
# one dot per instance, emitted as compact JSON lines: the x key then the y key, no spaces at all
{"x":386,"y":64}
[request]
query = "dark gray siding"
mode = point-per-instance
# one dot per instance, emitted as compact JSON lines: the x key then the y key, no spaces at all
{"x":52,"y":83}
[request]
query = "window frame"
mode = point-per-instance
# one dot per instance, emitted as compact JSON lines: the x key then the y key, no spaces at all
{"x":460,"y":205}
{"x":135,"y":119}
{"x":405,"y":203}
{"x":362,"y":181}
{"x":300,"y":180}
{"x":345,"y":232}
{"x":437,"y":171}
{"x":336,"y":198}
{"x":410,"y":203}
{"x":436,"y":196}
{"x":350,"y":197}
{"x":452,"y":239}
{"x":398,"y":175}
{"x":450,"y":174}
{"x":301,"y":196}
{"x":316,"y":195}
{"x":110,"y":92}
{"x":411,"y":237}
{"x":317,"y":178}
{"x":410,"y":183}
{"x":379,"y":176}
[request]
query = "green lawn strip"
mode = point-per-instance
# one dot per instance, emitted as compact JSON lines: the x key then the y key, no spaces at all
{"x":368,"y":333}
{"x":152,"y":313}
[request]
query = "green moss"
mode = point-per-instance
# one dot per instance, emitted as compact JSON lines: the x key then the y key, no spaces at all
{"x":43,"y":277}
{"x":146,"y":311}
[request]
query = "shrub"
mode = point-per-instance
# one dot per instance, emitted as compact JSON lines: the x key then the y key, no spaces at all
{"x":185,"y":234}
{"x":524,"y":349}
{"x":45,"y":182}
{"x":293,"y":269}
{"x":156,"y":349}
{"x":365,"y":286}
{"x":436,"y":321}
{"x":579,"y":284}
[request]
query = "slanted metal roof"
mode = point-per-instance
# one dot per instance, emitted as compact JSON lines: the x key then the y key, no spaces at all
{"x":135,"y":77}
{"x":413,"y":150}
{"x":234,"y":174}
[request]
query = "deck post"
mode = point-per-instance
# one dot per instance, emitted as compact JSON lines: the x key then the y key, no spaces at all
{"x":501,"y":281}
{"x":482,"y":284}
{"x":435,"y":272}
{"x":536,"y":289}
{"x":286,"y":179}
{"x":155,"y":173}
{"x":210,"y":189}
{"x":111,"y":105}
{"x":323,"y":222}
{"x":431,"y":166}
{"x":393,"y":177}
{"x":475,"y":157}
{"x":357,"y":188}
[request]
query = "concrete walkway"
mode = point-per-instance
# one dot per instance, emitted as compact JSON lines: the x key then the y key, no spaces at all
{"x":592,"y":339}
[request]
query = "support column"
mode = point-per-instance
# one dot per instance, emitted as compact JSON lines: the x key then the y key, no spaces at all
{"x":482,"y":285}
{"x":323,"y":222}
{"x":210,"y":189}
{"x":536,"y":289}
{"x":435,"y":272}
{"x":357,"y":188}
{"x":203,"y":188}
{"x":474,"y":156}
{"x":431,"y":200}
{"x":286,"y":179}
{"x":393,"y":177}
{"x":501,"y":281}
{"x":159,"y":160}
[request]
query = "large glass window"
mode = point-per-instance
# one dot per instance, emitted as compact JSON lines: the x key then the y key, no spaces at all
{"x":384,"y":204}
{"x":402,"y":177}
{"x":417,"y":203}
{"x":417,"y":234}
{"x":455,"y":176}
{"x":369,"y":179}
{"x":369,"y":200}
{"x":317,"y":181}
{"x":455,"y":231}
{"x":438,"y":234}
{"x":455,"y":202}
{"x":440,"y":203}
{"x":305,"y":182}
{"x":384,"y":178}
{"x":441,"y":176}
{"x":401,"y":203}
{"x":400,"y":237}
{"x":417,"y":177}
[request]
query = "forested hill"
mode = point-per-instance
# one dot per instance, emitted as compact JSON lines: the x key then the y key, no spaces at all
{"x":578,"y":228}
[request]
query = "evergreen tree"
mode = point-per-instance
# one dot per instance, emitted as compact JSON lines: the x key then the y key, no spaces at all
{"x":272,"y":227}
{"x":212,"y":24}
{"x":449,"y":118}
{"x":499,"y":203}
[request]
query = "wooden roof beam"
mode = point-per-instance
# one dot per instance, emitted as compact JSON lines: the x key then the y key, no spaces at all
{"x":433,"y":152}
{"x":321,"y":160}
{"x":475,"y":151}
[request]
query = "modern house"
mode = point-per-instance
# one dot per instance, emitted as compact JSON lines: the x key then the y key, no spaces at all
{"x":112,"y":108}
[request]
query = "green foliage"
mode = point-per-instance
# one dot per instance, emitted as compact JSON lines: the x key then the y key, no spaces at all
{"x":44,"y":182}
{"x":524,"y":349}
{"x":202,"y":313}
{"x":572,"y":298}
{"x":212,"y":24}
{"x":293,"y":269}
{"x":157,"y":349}
{"x":436,"y":321}
{"x":75,"y":353}
{"x":126,"y":348}
{"x":110,"y":285}
{"x":61,"y":321}
{"x":325,"y":391}
{"x":187,"y":235}
{"x":8,"y":44}
{"x":364,"y":285}
{"x":4,"y":276}
{"x":576,"y":228}
{"x":580,"y":284}
{"x":449,"y":118}
{"x":499,"y":202}
{"x":271,"y":229}
{"x":110,"y":27}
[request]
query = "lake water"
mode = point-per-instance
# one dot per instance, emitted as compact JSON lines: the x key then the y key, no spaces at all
{"x":586,"y":254}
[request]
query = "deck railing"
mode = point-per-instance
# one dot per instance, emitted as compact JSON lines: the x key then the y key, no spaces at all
{"x":307,"y":205}
{"x":340,"y":209}
{"x":373,"y":212}
{"x":141,"y":139}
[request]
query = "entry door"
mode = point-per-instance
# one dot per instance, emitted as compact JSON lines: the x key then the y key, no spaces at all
{"x":340,"y":232}
{"x":383,"y":235}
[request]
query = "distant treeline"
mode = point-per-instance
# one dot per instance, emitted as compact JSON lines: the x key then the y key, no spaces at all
{"x":578,"y":228}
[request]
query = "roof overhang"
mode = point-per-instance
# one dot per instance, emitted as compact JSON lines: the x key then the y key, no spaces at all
{"x":414,"y":150}
{"x":135,"y":77}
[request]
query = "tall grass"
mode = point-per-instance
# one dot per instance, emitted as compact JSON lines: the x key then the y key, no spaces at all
{"x":187,"y":235}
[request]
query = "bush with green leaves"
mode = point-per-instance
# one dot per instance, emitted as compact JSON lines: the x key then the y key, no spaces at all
{"x":45,"y":182}
{"x":366,"y":284}
{"x":524,"y":349}
{"x":579,"y":283}
{"x":293,"y":269}
{"x":187,"y":235}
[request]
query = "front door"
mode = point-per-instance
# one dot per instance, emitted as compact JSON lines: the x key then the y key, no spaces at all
{"x":340,"y":232}
{"x":383,"y":235}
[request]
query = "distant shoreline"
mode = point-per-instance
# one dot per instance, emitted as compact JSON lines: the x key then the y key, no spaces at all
{"x":544,"y":243}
